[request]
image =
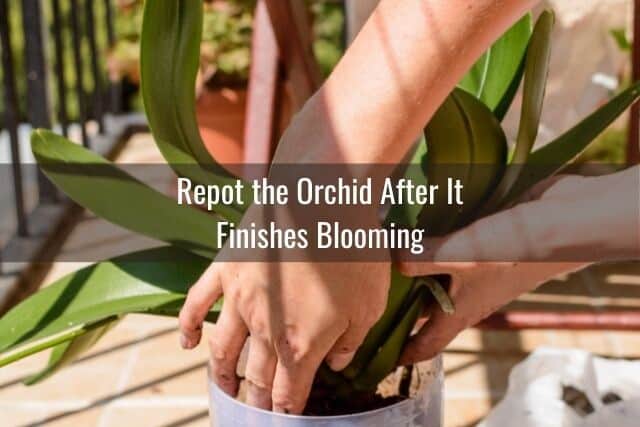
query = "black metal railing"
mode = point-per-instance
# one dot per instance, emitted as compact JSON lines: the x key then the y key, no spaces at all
{"x":52,"y":32}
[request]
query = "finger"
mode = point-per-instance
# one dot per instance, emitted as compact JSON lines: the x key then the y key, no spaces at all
{"x":434,"y":336}
{"x":291,"y":386}
{"x":299,"y":357}
{"x":512,"y":233}
{"x":226,"y":344}
{"x":260,"y":370}
{"x":432,"y":262}
{"x":342,"y":352}
{"x":423,"y":268}
{"x":416,"y":266}
{"x":558,"y":186}
{"x":202,"y":295}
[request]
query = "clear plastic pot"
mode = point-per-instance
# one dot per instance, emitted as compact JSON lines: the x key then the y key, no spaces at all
{"x":422,"y":410}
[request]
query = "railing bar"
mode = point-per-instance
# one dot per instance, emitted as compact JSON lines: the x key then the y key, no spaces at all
{"x":77,"y":60}
{"x":37,"y":92}
{"x":11,"y":117}
{"x":98,"y":106}
{"x":111,"y":33}
{"x":63,"y":116}
{"x":633,"y":145}
{"x":114,"y":87}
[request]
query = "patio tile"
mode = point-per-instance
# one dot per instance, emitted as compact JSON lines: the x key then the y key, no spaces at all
{"x":477,"y":377}
{"x":157,"y":417}
{"x":140,"y":148}
{"x":534,"y":339}
{"x":461,"y":412}
{"x":471,"y":339}
{"x":627,"y":343}
{"x":595,"y":341}
{"x":93,"y":377}
{"x":163,"y":368}
{"x":95,"y":239}
{"x":89,"y":416}
{"x":13,"y":417}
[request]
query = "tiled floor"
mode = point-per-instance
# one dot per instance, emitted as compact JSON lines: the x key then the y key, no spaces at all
{"x":138,"y":376}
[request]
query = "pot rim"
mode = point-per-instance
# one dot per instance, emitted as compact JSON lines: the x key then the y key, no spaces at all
{"x":436,"y":361}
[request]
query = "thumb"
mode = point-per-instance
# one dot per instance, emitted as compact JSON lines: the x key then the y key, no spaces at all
{"x":202,"y":295}
{"x":434,"y":336}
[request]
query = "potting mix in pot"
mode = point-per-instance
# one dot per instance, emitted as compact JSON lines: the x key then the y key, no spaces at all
{"x":466,"y":131}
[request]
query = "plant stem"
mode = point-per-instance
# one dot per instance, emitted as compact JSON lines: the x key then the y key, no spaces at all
{"x":50,"y":341}
{"x":404,"y":388}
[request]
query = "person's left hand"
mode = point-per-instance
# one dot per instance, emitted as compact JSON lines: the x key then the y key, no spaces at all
{"x":520,"y":249}
{"x":477,"y":290}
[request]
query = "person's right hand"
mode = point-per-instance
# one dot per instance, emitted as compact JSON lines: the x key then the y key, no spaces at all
{"x":295,"y":315}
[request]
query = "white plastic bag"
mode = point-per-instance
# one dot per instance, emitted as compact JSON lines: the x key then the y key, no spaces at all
{"x":535,"y":393}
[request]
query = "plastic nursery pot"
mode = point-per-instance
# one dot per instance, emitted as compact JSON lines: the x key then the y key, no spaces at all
{"x":424,"y":409}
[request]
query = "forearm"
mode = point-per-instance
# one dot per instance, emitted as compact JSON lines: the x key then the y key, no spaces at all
{"x":577,"y":219}
{"x":400,"y":68}
{"x":602,"y":223}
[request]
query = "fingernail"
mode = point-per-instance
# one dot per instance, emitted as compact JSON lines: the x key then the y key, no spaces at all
{"x":185,"y":343}
{"x":338,"y":362}
{"x":258,"y":397}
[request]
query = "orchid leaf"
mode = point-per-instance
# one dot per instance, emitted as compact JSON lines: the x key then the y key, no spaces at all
{"x":169,"y":61}
{"x":406,"y":215}
{"x":112,"y":194}
{"x":493,"y":77}
{"x":66,"y":353}
{"x":154,"y":281}
{"x":386,"y":359}
{"x":554,"y":156}
{"x":535,"y":84}
{"x":399,"y":293}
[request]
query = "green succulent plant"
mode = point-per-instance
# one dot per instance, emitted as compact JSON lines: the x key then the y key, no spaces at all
{"x":73,"y":313}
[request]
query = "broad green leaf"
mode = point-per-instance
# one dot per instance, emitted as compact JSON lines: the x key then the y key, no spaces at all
{"x":112,"y":194}
{"x":499,"y":70}
{"x":169,"y":61}
{"x":465,"y":142}
{"x":386,"y":359}
{"x":449,"y":141}
{"x":406,"y":215}
{"x":474,"y":81}
{"x":554,"y":156}
{"x":535,"y":84}
{"x":399,"y":291}
{"x":64,"y":354}
{"x":488,"y":158}
{"x":155,"y":281}
{"x":503,"y":107}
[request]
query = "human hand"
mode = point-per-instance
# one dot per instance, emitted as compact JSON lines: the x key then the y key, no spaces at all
{"x":477,"y":290}
{"x":553,"y":231}
{"x":296,"y":315}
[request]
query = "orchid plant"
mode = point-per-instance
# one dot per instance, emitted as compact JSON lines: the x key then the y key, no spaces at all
{"x":72,"y":314}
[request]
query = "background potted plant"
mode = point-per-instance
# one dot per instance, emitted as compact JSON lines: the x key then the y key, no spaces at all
{"x":72,"y":314}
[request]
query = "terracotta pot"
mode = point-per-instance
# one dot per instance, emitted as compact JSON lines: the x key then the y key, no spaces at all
{"x":221,"y":113}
